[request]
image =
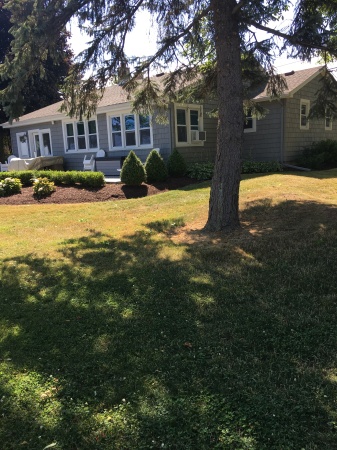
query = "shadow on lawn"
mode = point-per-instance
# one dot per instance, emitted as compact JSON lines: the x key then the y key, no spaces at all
{"x":143,"y":343}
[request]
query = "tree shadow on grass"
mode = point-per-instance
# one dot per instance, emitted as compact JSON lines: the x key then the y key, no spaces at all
{"x":147,"y":343}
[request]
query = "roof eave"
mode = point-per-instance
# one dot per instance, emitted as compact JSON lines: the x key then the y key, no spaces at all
{"x":60,"y":116}
{"x":35,"y":121}
{"x":271,"y":99}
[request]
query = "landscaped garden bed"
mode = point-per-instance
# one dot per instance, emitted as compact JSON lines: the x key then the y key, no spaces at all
{"x":111,"y":191}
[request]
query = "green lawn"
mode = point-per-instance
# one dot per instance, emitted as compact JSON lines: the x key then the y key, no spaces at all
{"x":123,"y":326}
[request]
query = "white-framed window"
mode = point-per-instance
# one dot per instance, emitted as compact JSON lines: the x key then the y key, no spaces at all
{"x":249,"y":125}
{"x":304,"y":114}
{"x":128,"y":131}
{"x":81,"y":136}
{"x":188,"y":119}
{"x":328,"y":121}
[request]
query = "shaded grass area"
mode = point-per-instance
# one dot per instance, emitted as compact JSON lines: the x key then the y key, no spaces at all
{"x":148,"y":342}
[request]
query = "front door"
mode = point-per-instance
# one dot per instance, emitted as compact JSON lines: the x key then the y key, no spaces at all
{"x":40,"y":143}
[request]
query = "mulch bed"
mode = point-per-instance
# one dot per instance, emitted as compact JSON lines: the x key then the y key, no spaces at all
{"x":111,"y":191}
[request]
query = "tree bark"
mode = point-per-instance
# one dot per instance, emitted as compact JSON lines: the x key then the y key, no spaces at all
{"x":224,"y":199}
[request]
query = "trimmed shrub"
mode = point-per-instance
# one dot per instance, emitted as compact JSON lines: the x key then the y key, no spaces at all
{"x":319,"y":155}
{"x":42,"y":187}
{"x":59,"y":178}
{"x":176,"y":164}
{"x":261,"y":166}
{"x":10,"y":186}
{"x":155,"y":167}
{"x":204,"y":171}
{"x":201,"y":171}
{"x":133,"y":172}
{"x":25,"y":177}
{"x":89,"y":180}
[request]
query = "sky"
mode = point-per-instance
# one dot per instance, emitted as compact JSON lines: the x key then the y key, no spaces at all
{"x":142,"y":42}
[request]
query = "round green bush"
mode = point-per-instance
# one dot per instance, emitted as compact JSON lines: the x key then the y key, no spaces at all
{"x":43,"y":187}
{"x":155,"y":167}
{"x":133,"y":172}
{"x":176,"y":164}
{"x":10,"y":186}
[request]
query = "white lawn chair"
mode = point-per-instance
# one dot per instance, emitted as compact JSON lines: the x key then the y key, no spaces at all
{"x":89,"y":163}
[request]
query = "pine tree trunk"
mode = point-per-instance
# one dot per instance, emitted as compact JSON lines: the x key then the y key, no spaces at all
{"x":224,"y":199}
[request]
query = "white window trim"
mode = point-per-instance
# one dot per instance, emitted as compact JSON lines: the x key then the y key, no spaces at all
{"x":188,"y":108}
{"x":32,"y":145}
{"x":329,"y":128}
{"x":122,"y":114}
{"x":86,"y":133}
{"x":307,"y":104}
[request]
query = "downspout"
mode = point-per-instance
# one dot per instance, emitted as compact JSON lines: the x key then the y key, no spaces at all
{"x":282,"y":132}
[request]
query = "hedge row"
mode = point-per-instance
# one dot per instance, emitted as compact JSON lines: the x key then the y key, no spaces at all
{"x":204,"y":171}
{"x":59,"y":178}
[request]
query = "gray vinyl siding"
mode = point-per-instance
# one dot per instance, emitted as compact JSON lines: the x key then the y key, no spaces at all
{"x":296,"y":139}
{"x":265,"y":144}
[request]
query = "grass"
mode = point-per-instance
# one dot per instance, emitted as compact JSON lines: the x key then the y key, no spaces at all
{"x":124,"y":327}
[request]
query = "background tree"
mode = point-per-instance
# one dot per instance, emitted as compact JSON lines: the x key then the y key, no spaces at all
{"x":190,"y":29}
{"x":41,"y":87}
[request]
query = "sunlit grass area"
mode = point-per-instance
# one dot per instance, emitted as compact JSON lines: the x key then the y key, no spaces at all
{"x":123,"y":326}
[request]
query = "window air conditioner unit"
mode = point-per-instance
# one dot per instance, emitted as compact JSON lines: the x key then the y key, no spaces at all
{"x":197,"y":136}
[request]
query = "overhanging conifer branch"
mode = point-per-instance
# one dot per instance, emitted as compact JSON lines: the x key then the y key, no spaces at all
{"x":291,"y":38}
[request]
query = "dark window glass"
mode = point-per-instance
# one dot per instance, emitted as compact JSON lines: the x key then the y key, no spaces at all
{"x":92,"y":126}
{"x":80,"y":128}
{"x":181,"y":117}
{"x":116,"y":123}
{"x":145,"y":137}
{"x":81,"y":143}
{"x":130,"y":138}
{"x":144,"y":121}
{"x":130,"y":122}
{"x":194,"y":117}
{"x":70,"y":129}
{"x":117,"y":139}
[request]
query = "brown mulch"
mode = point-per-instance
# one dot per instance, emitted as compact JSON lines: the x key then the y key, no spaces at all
{"x":111,"y":191}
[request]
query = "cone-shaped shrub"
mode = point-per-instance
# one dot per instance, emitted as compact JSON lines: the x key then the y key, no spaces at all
{"x":133,"y":172}
{"x":155,"y":167}
{"x":176,"y":164}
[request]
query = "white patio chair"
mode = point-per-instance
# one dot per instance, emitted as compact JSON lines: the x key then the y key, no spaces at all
{"x":89,"y":163}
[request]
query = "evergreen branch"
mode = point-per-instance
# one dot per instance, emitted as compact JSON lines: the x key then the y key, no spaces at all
{"x":290,"y":38}
{"x":169,"y":42}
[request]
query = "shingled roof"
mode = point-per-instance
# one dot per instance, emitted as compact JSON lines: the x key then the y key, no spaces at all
{"x":116,"y":95}
{"x":113,"y":95}
{"x":295,"y":80}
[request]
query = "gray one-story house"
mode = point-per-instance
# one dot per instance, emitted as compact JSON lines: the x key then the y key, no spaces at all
{"x":116,"y":130}
{"x":286,"y":129}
